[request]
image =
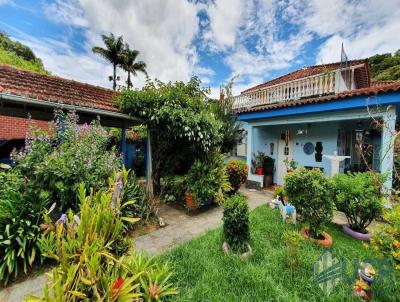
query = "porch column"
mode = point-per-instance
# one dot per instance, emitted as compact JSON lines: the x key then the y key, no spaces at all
{"x":249,"y":146}
{"x":387,"y":145}
{"x":123,"y":145}
{"x":149,"y":165}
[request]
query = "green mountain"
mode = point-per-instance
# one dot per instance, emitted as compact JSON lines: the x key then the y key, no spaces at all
{"x":385,"y":67}
{"x":19,"y":55}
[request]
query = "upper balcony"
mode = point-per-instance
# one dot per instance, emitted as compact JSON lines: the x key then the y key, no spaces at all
{"x":321,"y":83}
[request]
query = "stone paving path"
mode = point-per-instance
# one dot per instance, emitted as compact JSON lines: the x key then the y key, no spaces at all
{"x":180,"y":228}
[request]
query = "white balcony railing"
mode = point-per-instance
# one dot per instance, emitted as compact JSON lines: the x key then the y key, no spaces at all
{"x":316,"y":85}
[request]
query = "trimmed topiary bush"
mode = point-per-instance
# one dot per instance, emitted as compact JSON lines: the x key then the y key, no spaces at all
{"x":309,"y":192}
{"x":237,"y":172}
{"x":236,"y":222}
{"x":359,"y":197}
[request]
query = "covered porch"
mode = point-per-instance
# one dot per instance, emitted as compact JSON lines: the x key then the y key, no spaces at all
{"x":308,"y":138}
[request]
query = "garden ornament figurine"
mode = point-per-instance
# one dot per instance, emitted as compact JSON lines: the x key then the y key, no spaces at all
{"x":362,"y":287}
{"x":288,"y":211}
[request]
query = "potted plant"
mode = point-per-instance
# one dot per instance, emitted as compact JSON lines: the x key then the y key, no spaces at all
{"x":206,"y":182}
{"x":237,"y":172}
{"x":359,"y":197}
{"x":268,"y":170}
{"x":309,"y":191}
{"x":291,"y":165}
{"x":236,"y":226}
{"x":258,"y":162}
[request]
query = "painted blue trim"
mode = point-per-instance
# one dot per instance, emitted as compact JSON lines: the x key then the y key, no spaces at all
{"x":123,"y":145}
{"x":342,"y":104}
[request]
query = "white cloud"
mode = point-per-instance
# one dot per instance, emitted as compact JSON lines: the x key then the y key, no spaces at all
{"x":66,"y":12}
{"x":162,"y":30}
{"x":365,"y":27}
{"x":62,"y":60}
{"x":225,"y":19}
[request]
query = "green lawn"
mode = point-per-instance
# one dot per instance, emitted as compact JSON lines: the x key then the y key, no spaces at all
{"x":203,"y":273}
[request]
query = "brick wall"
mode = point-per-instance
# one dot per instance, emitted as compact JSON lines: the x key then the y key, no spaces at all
{"x":15,"y":127}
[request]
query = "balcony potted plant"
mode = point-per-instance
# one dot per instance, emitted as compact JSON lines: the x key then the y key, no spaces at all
{"x":258,"y":162}
{"x":268,"y":170}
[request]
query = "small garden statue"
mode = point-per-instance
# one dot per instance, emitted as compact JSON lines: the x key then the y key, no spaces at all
{"x":286,"y":209}
{"x":362,"y":287}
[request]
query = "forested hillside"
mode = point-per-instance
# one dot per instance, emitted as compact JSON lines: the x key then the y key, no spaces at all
{"x":16,"y":54}
{"x":385,"y":67}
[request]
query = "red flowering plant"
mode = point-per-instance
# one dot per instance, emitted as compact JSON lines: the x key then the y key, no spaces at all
{"x":237,"y":171}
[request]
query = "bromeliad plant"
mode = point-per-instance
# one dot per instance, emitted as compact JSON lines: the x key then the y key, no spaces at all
{"x":155,"y":279}
{"x":85,"y":245}
{"x":359,"y":197}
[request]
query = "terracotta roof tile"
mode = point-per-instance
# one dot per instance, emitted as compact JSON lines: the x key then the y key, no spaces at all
{"x":373,"y":90}
{"x":361,"y":76}
{"x":54,"y":89}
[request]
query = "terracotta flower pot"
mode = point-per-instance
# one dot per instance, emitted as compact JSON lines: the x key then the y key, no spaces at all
{"x":259,"y":171}
{"x":360,"y":236}
{"x":190,"y":204}
{"x":326,"y":242}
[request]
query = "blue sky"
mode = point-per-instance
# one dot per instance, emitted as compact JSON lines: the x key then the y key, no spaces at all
{"x":215,"y":40}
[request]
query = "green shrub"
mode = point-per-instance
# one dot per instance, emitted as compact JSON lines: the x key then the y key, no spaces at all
{"x":359,"y":197}
{"x":386,"y":240}
{"x":174,"y":190}
{"x":292,"y":240}
{"x":87,"y":245}
{"x":207,"y":180}
{"x":237,"y":171}
{"x":60,"y":160}
{"x":310,"y":193}
{"x":21,"y":209}
{"x":236,"y":222}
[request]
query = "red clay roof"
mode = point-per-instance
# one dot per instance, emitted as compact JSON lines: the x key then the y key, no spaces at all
{"x":361,"y":75}
{"x":373,"y":90}
{"x":54,"y":89}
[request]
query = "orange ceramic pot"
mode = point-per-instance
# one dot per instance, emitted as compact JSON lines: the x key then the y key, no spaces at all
{"x":190,"y":204}
{"x":326,"y":242}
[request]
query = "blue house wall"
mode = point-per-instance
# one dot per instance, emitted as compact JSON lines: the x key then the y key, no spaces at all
{"x":323,"y":122}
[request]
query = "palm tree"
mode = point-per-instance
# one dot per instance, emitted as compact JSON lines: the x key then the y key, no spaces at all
{"x":112,"y":53}
{"x":129,"y":64}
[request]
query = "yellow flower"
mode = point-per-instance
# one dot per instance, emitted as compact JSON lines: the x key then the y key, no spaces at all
{"x":396,"y":243}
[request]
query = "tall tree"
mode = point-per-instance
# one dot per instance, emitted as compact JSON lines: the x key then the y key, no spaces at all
{"x":113,"y":52}
{"x":129,"y":64}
